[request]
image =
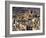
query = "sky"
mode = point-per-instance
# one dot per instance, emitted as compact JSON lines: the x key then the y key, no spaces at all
{"x":19,"y":10}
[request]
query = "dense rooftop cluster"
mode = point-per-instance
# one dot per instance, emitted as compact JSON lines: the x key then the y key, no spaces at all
{"x":25,"y":19}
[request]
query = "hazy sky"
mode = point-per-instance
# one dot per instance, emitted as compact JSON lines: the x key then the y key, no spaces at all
{"x":23,"y":9}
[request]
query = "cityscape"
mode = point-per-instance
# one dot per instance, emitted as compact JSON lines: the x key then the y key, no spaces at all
{"x":25,"y":19}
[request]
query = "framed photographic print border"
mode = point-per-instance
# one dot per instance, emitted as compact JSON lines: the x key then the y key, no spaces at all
{"x":7,"y":18}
